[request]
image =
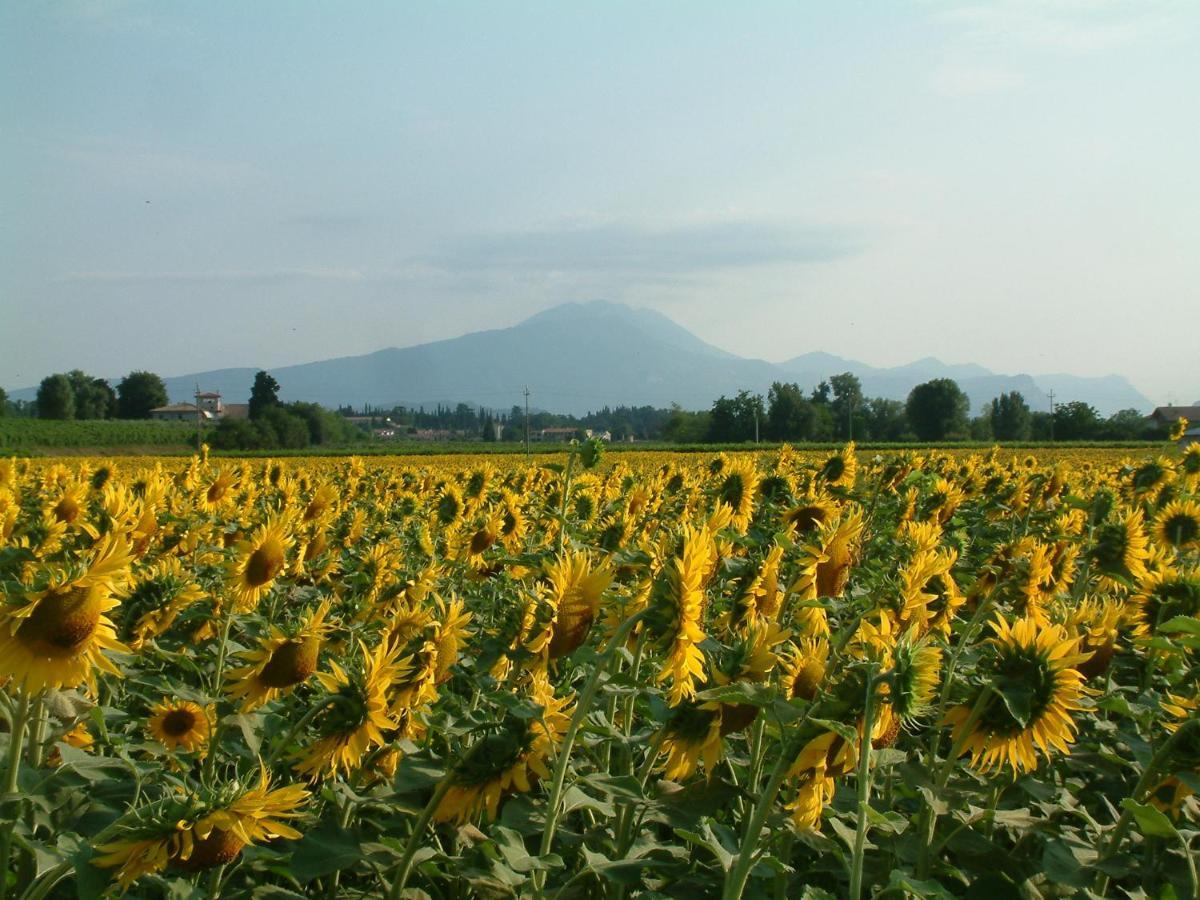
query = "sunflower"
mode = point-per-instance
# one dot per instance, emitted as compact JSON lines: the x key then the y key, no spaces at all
{"x":71,"y":505}
{"x":684,"y":593}
{"x":1178,"y":524}
{"x":180,"y":723}
{"x":824,"y":758}
{"x":194,"y":833}
{"x":1163,"y":595}
{"x":512,"y":524}
{"x":909,"y":689}
{"x":1097,"y":622}
{"x":691,"y":735}
{"x":575,"y":588}
{"x":155,"y":600}
{"x":1151,"y":476}
{"x":358,"y":716}
{"x":839,"y":544}
{"x":1032,"y":665}
{"x":215,"y":494}
{"x":505,"y":758}
{"x":58,"y":636}
{"x":256,"y":563}
{"x":282,"y":660}
{"x":841,"y":469}
{"x":1119,"y":547}
{"x":804,"y":666}
{"x":322,"y":502}
{"x":739,"y":485}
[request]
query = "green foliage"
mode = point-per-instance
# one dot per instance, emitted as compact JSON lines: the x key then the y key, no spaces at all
{"x":138,"y":393}
{"x":263,"y":395}
{"x":1076,"y":421}
{"x":29,"y":435}
{"x":937,"y":410}
{"x":736,"y":419}
{"x":790,"y":415}
{"x":56,"y":398}
{"x":1010,"y":418}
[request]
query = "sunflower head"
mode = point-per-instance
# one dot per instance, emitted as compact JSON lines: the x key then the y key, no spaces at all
{"x":180,"y":724}
{"x":1178,"y":524}
{"x":1030,"y":685}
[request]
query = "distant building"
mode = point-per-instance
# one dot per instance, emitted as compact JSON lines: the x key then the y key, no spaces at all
{"x":180,"y":412}
{"x":555,"y":435}
{"x":1169,"y":415}
{"x":1191,"y":436}
{"x":210,"y":401}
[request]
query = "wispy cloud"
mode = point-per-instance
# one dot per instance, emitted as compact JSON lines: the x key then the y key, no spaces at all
{"x":631,"y":249}
{"x":263,"y":276}
{"x":127,"y":162}
{"x":968,"y":79}
{"x":1072,"y":26}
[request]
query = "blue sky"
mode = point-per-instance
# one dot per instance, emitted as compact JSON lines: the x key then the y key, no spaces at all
{"x":188,"y":186}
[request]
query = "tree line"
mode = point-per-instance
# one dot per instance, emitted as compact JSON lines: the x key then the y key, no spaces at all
{"x":835,"y":410}
{"x":936,"y":410}
{"x":273,"y":425}
{"x":78,"y":395}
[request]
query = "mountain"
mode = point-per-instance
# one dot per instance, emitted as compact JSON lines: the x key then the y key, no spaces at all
{"x":582,"y":356}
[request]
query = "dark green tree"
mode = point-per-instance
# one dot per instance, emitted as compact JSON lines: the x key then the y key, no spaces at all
{"x":3,"y":402}
{"x":1076,"y":421}
{"x":733,"y":420}
{"x":790,"y":415}
{"x":263,"y":395}
{"x":138,"y":393}
{"x":937,"y":410}
{"x":846,"y":407}
{"x":94,"y":398}
{"x":56,"y":398}
{"x":1010,"y":417}
{"x":885,"y":420}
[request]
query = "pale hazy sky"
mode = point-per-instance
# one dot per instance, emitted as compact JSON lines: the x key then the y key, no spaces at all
{"x":192,"y":185}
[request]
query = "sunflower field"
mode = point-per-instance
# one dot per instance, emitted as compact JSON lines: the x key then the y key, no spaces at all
{"x":782,"y":674}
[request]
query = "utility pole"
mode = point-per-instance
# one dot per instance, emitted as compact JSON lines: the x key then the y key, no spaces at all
{"x":1051,"y":395}
{"x":526,"y":423}
{"x":756,"y":424}
{"x":199,"y":421}
{"x":850,"y":418}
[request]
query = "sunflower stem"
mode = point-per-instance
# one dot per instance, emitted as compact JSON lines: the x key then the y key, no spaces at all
{"x":214,"y":744}
{"x":404,"y":867}
{"x":929,"y":817}
{"x":864,"y":789}
{"x":37,"y":734}
{"x":12,"y":770}
{"x":1144,"y":786}
{"x":313,"y":711}
{"x":47,"y":881}
{"x":568,"y":742}
{"x":562,"y":512}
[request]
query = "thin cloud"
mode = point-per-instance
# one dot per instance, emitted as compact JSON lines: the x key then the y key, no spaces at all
{"x":264,"y":276}
{"x":649,"y":252}
{"x":1072,"y":26}
{"x":968,"y":80}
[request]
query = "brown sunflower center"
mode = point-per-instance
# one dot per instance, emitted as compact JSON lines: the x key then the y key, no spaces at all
{"x":292,"y":663}
{"x":216,"y":491}
{"x":219,"y":848}
{"x":264,"y":564}
{"x":178,"y":722}
{"x":67,"y":510}
{"x":63,"y":621}
{"x":482,"y":540}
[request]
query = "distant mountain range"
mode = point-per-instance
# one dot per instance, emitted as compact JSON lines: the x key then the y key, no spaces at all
{"x":583,"y":356}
